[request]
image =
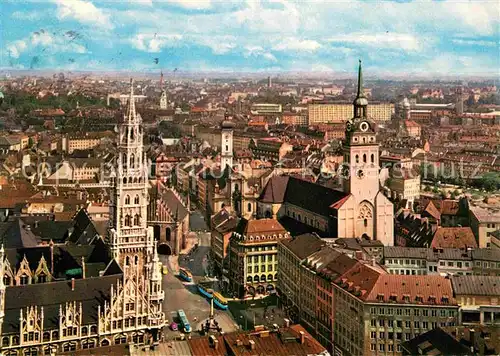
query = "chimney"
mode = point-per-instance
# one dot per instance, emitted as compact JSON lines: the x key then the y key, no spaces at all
{"x":72,"y":284}
{"x":252,"y":344}
{"x":302,"y":337}
{"x":374,"y":263}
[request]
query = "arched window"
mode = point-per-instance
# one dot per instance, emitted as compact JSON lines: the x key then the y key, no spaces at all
{"x":372,"y":158}
{"x":256,"y":279}
{"x":128,"y":220}
{"x":364,"y":158}
{"x":136,"y":199}
{"x":263,"y":278}
{"x":124,"y":180}
{"x":127,"y":261}
{"x":5,"y":341}
{"x":132,"y":160}
{"x":137,"y":220}
{"x":127,"y":199}
{"x":249,"y":279}
{"x":249,"y":207}
{"x":365,"y":222}
{"x":357,"y":158}
{"x":136,"y":260}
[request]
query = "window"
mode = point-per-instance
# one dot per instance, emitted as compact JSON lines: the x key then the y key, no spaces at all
{"x":417,"y":324}
{"x":381,"y":347}
{"x":373,"y":334}
{"x":364,"y":158}
{"x":365,"y":222}
{"x":127,"y":200}
{"x":357,"y":158}
{"x":249,"y":207}
{"x":381,"y":335}
{"x":136,"y":199}
{"x":137,"y":220}
{"x":372,"y":158}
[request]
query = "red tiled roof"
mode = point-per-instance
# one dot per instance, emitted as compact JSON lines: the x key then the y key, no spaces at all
{"x":431,"y":289}
{"x":456,"y":237}
{"x":338,"y":204}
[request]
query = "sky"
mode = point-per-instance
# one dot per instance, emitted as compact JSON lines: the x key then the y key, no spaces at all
{"x":443,"y":37}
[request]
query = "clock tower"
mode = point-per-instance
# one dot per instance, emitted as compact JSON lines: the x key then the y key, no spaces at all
{"x":227,"y":127}
{"x":360,"y":175}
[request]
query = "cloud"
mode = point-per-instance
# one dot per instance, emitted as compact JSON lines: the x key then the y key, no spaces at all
{"x":154,"y":43}
{"x":84,"y":12}
{"x":258,"y":51}
{"x":405,"y":42}
{"x":192,"y":4}
{"x":28,"y":16}
{"x":475,"y":43}
{"x":16,"y":48}
{"x":46,"y":42}
{"x":293,"y":44}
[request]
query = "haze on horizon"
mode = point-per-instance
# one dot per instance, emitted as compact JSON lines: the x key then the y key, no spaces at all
{"x":395,"y":39}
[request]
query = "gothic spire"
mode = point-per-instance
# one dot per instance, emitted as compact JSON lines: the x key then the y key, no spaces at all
{"x":131,"y":102}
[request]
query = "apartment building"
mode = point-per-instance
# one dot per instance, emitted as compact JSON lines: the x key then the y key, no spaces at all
{"x":442,"y":261}
{"x":253,"y":262}
{"x":477,"y":297}
{"x":340,"y":112}
{"x":266,"y":108}
{"x":295,"y":119}
{"x":483,"y":222}
{"x":80,"y":142}
{"x":375,"y":312}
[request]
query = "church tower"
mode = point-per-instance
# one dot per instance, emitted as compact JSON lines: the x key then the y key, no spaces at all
{"x":163,"y":100}
{"x":361,"y":151}
{"x":373,"y":215}
{"x":227,"y":127}
{"x":130,"y":242}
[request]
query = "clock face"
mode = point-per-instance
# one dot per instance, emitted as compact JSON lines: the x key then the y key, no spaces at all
{"x":364,"y":126}
{"x":345,"y":172}
{"x":349,"y":126}
{"x":360,"y":174}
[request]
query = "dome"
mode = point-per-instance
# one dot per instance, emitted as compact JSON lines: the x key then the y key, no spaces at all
{"x":227,"y":124}
{"x":361,"y":101}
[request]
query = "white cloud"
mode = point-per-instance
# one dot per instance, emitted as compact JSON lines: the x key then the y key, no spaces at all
{"x":293,"y":44}
{"x":16,"y":48}
{"x":482,"y":43}
{"x":45,"y":41}
{"x":258,"y":51}
{"x":154,"y":43}
{"x":192,"y":4}
{"x":84,"y":12}
{"x":405,"y":42}
{"x":28,"y":16}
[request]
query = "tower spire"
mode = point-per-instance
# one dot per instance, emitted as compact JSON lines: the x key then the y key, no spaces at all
{"x":131,"y":101}
{"x":361,"y":92}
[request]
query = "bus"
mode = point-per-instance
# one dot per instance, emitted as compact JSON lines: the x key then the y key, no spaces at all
{"x":185,"y":275}
{"x":220,"y":301}
{"x":204,"y":289}
{"x":184,"y":321}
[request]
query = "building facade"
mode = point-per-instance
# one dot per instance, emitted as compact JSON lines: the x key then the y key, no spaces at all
{"x":253,"y":262}
{"x":341,"y":112}
{"x":117,"y":302}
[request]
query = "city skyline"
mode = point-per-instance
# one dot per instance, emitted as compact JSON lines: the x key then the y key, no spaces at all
{"x":394,"y":38}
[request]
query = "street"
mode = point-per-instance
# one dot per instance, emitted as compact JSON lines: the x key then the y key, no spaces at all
{"x":184,"y":295}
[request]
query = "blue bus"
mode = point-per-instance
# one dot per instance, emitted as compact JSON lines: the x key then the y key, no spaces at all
{"x":204,"y":289}
{"x":185,"y":275}
{"x":184,"y":321}
{"x":220,"y":301}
